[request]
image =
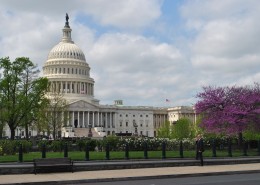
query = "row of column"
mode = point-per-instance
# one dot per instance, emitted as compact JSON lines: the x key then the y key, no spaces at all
{"x":159,"y":119}
{"x":91,"y":119}
{"x":72,"y":87}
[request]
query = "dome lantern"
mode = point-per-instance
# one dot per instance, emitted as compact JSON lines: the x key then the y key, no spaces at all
{"x":67,"y":31}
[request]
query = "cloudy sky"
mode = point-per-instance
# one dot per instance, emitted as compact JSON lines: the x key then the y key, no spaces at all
{"x":143,"y":51}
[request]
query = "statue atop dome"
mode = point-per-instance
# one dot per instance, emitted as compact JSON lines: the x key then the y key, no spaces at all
{"x":67,"y":20}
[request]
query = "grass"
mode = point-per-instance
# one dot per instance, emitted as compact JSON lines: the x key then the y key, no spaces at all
{"x":80,"y":156}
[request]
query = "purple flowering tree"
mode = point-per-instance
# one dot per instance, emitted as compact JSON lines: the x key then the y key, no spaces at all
{"x":229,"y":110}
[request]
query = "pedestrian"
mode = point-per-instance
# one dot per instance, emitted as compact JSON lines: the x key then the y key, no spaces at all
{"x":196,"y":148}
{"x":200,"y":149}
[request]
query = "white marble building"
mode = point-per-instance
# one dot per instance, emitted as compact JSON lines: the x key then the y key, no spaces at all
{"x":69,"y":75}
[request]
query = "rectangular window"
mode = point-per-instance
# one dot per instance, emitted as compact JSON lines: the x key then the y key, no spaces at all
{"x":126,"y":124}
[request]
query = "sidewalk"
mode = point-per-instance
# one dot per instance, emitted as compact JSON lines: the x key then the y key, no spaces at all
{"x":128,"y":174}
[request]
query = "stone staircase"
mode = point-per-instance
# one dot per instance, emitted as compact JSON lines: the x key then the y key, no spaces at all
{"x":83,"y":132}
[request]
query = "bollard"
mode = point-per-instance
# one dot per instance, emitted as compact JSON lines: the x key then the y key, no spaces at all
{"x":181,"y":149}
{"x":145,"y":150}
{"x":20,"y":153}
{"x":65,"y":150}
{"x":43,"y":150}
{"x":126,"y":151}
{"x":163,"y":150}
{"x":229,"y":147}
{"x":107,"y":151}
{"x":214,"y":151}
{"x":87,"y":153}
{"x":245,"y":144}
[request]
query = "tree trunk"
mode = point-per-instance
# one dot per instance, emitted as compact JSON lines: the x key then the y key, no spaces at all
{"x":26,"y":131}
{"x":12,"y":133}
{"x":1,"y":131}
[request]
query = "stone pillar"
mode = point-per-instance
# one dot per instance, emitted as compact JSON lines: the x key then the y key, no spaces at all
{"x":98,"y":124}
{"x":83,"y":123}
{"x":66,"y":87}
{"x":93,"y":123}
{"x":73,"y":119}
{"x":88,"y":118}
{"x":78,"y":120}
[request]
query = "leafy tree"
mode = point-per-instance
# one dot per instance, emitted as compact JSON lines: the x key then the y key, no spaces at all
{"x":19,"y":99}
{"x":182,"y":129}
{"x":165,"y":131}
{"x":54,"y":116}
{"x":229,"y":110}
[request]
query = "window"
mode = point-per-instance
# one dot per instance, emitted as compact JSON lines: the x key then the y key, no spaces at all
{"x":64,"y":70}
{"x":120,"y":115}
{"x":76,"y":71}
{"x":141,"y":132}
{"x":72,"y":71}
{"x":141,"y":125}
{"x":126,"y":124}
{"x":141,"y":115}
{"x":133,"y":115}
{"x":68,"y":70}
{"x":126,"y":115}
{"x":120,"y":123}
{"x":147,"y":116}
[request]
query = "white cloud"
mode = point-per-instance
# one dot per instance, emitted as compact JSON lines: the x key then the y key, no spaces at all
{"x":134,"y":66}
{"x":225,"y":49}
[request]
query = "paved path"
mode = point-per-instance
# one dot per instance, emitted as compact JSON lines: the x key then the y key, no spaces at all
{"x":128,"y":174}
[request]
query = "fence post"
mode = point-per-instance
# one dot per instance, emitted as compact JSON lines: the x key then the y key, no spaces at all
{"x":66,"y":150}
{"x":43,"y":150}
{"x":181,"y":149}
{"x":258,"y":146}
{"x":126,"y":151}
{"x":245,"y":148}
{"x":214,"y":153}
{"x":107,"y":151}
{"x":230,"y":147}
{"x":163,"y":150}
{"x":87,"y":153}
{"x":145,"y":150}
{"x":20,"y":153}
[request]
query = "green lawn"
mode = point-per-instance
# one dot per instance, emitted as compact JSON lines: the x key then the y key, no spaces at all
{"x":78,"y":156}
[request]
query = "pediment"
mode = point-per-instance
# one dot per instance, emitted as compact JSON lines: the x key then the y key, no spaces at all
{"x":83,"y":105}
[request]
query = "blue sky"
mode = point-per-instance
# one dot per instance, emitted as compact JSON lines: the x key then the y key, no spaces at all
{"x":143,"y":51}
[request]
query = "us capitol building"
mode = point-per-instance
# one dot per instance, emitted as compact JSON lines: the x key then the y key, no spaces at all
{"x":69,"y":75}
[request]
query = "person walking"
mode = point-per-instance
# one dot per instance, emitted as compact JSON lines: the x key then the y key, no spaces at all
{"x":200,"y":149}
{"x":196,"y":148}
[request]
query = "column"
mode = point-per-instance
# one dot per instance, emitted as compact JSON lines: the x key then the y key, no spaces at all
{"x":98,"y":124}
{"x":78,"y":120}
{"x":83,"y":124}
{"x":101,"y":120}
{"x":66,"y":91}
{"x":70,"y":87}
{"x":80,"y":87}
{"x":93,"y":124}
{"x":88,"y":118}
{"x":73,"y":119}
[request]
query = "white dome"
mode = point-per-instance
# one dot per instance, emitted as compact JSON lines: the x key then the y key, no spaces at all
{"x":66,"y":50}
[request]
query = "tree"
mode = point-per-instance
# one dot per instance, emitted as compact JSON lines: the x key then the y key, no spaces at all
{"x":54,"y":116}
{"x":20,"y":100}
{"x":229,"y":110}
{"x":182,"y":129}
{"x":165,"y":131}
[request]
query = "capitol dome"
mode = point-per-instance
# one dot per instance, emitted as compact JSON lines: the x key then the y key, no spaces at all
{"x":66,"y":50}
{"x":67,"y":70}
